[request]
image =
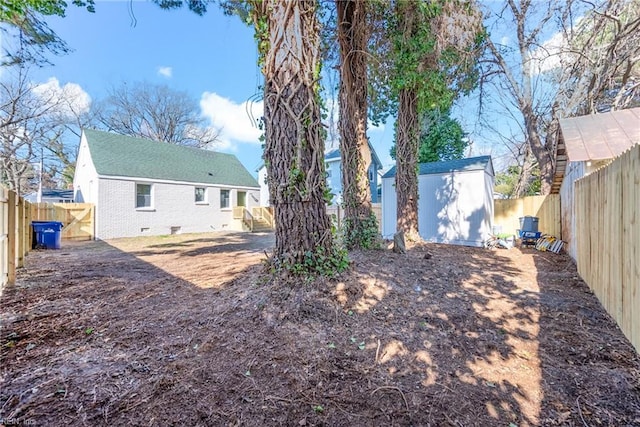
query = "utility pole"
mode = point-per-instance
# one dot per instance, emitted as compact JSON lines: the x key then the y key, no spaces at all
{"x":39,"y":197}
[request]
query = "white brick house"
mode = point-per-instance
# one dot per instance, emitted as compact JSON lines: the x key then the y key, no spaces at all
{"x":143,"y":187}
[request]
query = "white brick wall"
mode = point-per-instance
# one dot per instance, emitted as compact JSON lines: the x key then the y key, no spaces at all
{"x":173,"y":205}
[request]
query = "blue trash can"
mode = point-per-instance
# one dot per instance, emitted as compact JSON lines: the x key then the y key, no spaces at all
{"x":529,"y":223}
{"x":48,"y":234}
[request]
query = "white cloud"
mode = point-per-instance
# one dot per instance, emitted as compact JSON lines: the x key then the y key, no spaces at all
{"x":333,"y":112}
{"x":70,"y":97}
{"x":165,"y":72}
{"x":237,"y":122}
{"x":550,"y":54}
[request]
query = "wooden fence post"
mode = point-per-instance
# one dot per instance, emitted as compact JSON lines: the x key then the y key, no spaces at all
{"x":27,"y":232}
{"x":11,"y":236}
{"x":20,"y":232}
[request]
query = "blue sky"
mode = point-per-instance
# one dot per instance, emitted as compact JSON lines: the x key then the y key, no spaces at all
{"x":212,"y":57}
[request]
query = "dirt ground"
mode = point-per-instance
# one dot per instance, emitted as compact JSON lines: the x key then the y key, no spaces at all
{"x":185,"y":331}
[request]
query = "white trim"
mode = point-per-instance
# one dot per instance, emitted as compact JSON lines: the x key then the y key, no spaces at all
{"x":230,"y":190}
{"x":205,"y":196}
{"x":166,"y":181}
{"x":151,"y":206}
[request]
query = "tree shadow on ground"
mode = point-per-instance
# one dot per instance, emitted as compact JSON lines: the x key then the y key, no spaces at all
{"x":458,"y":340}
{"x":443,"y":335}
{"x":95,"y":335}
{"x":584,"y":350}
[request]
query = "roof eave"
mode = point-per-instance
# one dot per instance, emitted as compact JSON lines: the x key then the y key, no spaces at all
{"x":168,"y":181}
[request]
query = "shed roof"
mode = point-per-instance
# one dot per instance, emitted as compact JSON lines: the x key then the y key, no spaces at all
{"x":459,"y":165}
{"x":601,"y":136}
{"x":125,"y":156}
{"x":594,"y":137}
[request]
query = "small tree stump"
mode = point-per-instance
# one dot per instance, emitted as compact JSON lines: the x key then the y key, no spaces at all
{"x":398,"y":243}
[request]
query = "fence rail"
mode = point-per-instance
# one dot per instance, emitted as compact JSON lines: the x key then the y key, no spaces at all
{"x":608,"y":238}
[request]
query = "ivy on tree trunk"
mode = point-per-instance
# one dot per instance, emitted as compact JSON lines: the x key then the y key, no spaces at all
{"x":360,"y":230}
{"x":288,"y":40}
{"x":407,"y":138}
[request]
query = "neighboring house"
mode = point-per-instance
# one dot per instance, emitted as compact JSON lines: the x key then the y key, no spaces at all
{"x":455,"y":201}
{"x":51,"y":195}
{"x":143,"y":187}
{"x":264,"y":188}
{"x":333,"y":169}
{"x":586,"y":144}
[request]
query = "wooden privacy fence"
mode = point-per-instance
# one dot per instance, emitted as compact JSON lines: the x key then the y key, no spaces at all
{"x":77,"y":218}
{"x":15,"y":228}
{"x":15,"y":235}
{"x":338,"y":212}
{"x":507,"y":213}
{"x":608,"y":238}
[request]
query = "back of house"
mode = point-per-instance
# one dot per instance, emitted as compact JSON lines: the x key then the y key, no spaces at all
{"x":144,"y":187}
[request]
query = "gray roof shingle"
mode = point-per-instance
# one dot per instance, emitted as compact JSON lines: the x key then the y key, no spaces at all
{"x":125,"y":156}
{"x":459,"y":165}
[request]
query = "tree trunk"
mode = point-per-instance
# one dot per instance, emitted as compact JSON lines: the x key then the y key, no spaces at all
{"x":407,"y":138}
{"x":538,"y":149}
{"x":294,"y":149}
{"x":407,"y":128}
{"x":354,"y":147}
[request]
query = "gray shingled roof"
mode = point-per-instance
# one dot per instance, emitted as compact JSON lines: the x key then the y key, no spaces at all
{"x":335,"y":155}
{"x":460,"y":165}
{"x":125,"y":156}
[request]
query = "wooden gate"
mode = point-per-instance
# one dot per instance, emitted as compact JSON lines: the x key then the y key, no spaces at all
{"x":77,"y":218}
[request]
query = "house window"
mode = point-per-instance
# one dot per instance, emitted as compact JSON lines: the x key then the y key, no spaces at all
{"x":224,"y":199}
{"x":242,"y":198}
{"x":143,"y":195}
{"x":201,"y":194}
{"x":370,"y":174}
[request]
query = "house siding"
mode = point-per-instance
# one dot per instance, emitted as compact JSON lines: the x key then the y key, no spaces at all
{"x":264,"y":188}
{"x":373,"y":183}
{"x":173,"y":205}
{"x":389,"y":208}
{"x":334,"y":180}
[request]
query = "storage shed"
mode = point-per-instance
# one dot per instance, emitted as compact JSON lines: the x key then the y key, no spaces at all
{"x":455,"y":201}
